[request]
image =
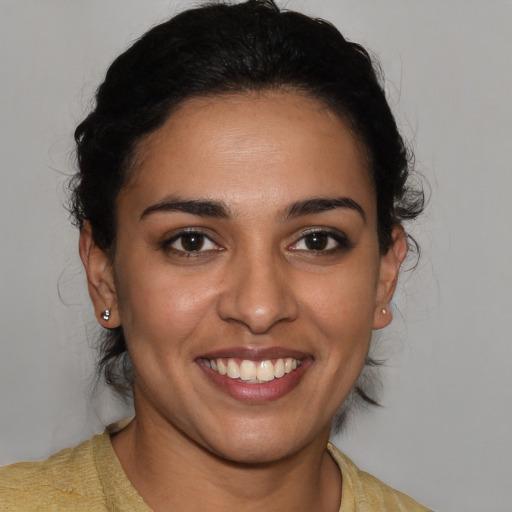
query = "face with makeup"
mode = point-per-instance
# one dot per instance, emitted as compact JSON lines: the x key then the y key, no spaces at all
{"x":247,"y":274}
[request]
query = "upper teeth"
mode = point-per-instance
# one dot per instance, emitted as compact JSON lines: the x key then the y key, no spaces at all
{"x":250,"y":371}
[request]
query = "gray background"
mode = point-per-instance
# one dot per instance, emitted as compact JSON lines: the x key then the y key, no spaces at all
{"x":444,"y":434}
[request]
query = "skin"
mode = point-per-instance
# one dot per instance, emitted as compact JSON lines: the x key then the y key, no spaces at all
{"x":255,"y":284}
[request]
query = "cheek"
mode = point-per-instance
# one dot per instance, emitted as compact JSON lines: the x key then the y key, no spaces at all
{"x":159,"y":306}
{"x":341,"y":307}
{"x":344,"y":301}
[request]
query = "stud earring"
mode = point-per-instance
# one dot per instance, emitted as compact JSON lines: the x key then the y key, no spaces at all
{"x":106,"y":315}
{"x":383,"y":311}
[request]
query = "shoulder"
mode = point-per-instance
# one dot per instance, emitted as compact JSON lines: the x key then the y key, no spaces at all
{"x":364,"y":493}
{"x":68,"y":480}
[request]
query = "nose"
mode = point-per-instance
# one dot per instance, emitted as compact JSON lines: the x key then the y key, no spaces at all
{"x":257,"y":294}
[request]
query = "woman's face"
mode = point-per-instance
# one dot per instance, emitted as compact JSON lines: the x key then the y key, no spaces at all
{"x":247,"y":244}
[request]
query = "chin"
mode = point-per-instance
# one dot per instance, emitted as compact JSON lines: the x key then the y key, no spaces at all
{"x":258,"y":444}
{"x":254,"y":452}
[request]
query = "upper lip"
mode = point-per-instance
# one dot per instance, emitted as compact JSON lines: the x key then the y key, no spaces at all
{"x":255,"y":354}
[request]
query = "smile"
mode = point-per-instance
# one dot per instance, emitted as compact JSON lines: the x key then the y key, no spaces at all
{"x":253,"y":372}
{"x":255,"y":376}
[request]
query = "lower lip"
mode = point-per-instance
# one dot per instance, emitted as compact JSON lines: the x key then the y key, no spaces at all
{"x":257,"y":393}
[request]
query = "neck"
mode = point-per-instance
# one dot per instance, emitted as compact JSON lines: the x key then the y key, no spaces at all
{"x":172,"y":472}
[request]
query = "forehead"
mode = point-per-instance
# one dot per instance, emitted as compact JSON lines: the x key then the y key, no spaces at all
{"x":251,"y":150}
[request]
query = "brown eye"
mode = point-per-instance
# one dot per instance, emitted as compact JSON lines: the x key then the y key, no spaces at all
{"x":316,"y":241}
{"x":190,"y":242}
{"x":321,"y":242}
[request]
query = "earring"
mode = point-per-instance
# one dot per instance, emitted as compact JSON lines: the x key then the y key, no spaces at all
{"x":383,"y":311}
{"x":106,"y":315}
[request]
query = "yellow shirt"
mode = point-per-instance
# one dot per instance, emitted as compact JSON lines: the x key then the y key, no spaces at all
{"x":89,"y":478}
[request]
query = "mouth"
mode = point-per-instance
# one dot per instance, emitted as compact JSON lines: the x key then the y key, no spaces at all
{"x":255,"y":376}
{"x":253,"y":372}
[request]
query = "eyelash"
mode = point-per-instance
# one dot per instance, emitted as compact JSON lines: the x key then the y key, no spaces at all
{"x":339,"y":238}
{"x":184,"y":253}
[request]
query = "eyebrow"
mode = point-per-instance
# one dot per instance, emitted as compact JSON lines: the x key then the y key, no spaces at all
{"x":217,"y":209}
{"x":319,"y":205}
{"x":202,"y":208}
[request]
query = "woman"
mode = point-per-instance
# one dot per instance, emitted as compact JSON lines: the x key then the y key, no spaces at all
{"x":240,"y":195}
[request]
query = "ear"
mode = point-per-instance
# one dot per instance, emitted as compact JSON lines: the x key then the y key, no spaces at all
{"x":388,"y":276}
{"x":100,"y":278}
